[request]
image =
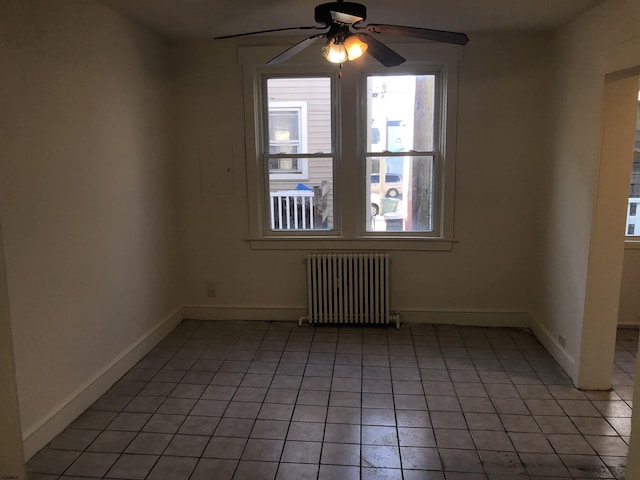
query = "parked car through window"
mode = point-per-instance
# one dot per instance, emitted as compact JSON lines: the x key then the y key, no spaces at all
{"x":392,"y":184}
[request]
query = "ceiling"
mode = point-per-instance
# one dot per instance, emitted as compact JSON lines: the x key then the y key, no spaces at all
{"x":209,"y":18}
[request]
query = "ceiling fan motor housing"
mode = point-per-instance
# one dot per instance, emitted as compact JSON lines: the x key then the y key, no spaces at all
{"x":346,"y":13}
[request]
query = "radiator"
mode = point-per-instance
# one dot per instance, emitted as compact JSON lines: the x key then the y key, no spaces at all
{"x":345,"y":288}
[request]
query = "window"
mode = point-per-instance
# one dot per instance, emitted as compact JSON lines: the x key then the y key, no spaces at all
{"x":298,"y":122}
{"x":364,"y":159}
{"x":402,"y":109}
{"x":633,"y":219}
{"x":287,"y":134}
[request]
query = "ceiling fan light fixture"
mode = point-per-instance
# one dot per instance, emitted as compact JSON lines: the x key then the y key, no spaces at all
{"x":337,"y":19}
{"x":355,"y":47}
{"x":335,"y":51}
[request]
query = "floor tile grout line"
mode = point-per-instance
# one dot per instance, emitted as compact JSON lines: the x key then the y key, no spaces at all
{"x":137,"y":433}
{"x":254,"y":420}
{"x":535,"y":369}
{"x":182,"y":423}
{"x":295,"y":404}
{"x":105,"y":429}
{"x":395,"y":410}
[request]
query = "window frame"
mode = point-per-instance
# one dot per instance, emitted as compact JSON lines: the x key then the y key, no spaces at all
{"x":439,"y":140}
{"x":632,"y":241}
{"x":349,"y":222}
{"x":262,"y":107}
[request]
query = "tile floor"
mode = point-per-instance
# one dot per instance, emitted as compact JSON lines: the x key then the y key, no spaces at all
{"x":270,"y":400}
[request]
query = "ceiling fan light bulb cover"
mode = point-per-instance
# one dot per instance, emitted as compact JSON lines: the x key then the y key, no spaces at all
{"x":335,"y":52}
{"x":355,"y":47}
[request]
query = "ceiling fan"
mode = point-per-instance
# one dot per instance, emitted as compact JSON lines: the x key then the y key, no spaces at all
{"x":346,"y":38}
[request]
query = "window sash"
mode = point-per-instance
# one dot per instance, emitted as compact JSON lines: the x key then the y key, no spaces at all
{"x":289,"y":209}
{"x":399,"y":215}
{"x":371,"y":226}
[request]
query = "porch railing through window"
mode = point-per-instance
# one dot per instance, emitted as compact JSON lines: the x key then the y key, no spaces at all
{"x":292,"y":209}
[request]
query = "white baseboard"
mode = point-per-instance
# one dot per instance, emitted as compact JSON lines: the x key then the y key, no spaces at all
{"x":452,"y":317}
{"x":478,"y":318}
{"x":238,"y":312}
{"x":560,"y":354}
{"x":37,"y":436}
{"x":628,"y":324}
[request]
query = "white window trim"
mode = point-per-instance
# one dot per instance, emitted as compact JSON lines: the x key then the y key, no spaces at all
{"x":349,"y":232}
{"x":303,"y":165}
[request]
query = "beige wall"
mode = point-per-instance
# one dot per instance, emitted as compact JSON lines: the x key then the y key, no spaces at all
{"x":12,"y":455}
{"x":629,"y":313}
{"x":86,"y":198}
{"x":503,"y":91}
{"x":571,"y":171}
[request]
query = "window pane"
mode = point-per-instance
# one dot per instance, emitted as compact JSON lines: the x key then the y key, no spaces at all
{"x":283,"y":165}
{"x":300,"y":114}
{"x":284,"y":125}
{"x":634,"y":191}
{"x":302,"y":205}
{"x":400,"y":111}
{"x":401,"y":200}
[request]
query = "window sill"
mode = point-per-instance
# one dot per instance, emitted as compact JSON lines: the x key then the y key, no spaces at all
{"x":338,"y":243}
{"x":632,"y":244}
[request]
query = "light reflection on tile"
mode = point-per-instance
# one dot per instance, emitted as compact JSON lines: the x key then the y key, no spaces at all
{"x":242,"y":400}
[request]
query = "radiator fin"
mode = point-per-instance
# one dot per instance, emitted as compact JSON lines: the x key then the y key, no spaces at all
{"x":349,"y":288}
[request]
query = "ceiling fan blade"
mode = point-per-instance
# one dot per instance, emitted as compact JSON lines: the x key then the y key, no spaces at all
{"x":380,"y":51}
{"x":259,"y":32}
{"x":424,"y":33}
{"x":294,"y":50}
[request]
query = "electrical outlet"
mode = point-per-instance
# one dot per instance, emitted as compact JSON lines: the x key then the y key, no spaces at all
{"x":562,"y":340}
{"x":211,"y":289}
